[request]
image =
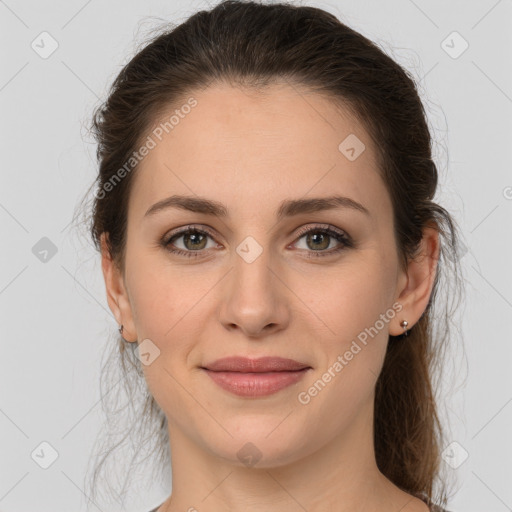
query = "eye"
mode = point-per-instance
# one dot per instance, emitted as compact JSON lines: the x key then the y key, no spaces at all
{"x":319,"y":237}
{"x":193,"y":241}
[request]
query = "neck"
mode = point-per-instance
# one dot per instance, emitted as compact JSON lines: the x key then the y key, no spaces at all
{"x":341,"y":475}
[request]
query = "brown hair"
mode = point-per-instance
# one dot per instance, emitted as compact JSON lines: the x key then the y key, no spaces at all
{"x":252,"y":45}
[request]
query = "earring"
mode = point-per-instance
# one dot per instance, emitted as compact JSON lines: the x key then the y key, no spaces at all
{"x":121,"y":332}
{"x":404,"y":324}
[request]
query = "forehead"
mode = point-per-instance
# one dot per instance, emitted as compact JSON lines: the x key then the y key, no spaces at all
{"x":250,"y":149}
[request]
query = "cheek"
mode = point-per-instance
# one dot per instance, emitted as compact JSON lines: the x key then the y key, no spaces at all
{"x":154,"y":304}
{"x":347,"y":300}
{"x":164,"y":312}
{"x":357,"y":312}
{"x":162,"y":302}
{"x":157,"y":292}
{"x":353,"y":315}
{"x":168,"y":307}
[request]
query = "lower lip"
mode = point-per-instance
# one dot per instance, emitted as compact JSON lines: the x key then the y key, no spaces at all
{"x":255,"y":384}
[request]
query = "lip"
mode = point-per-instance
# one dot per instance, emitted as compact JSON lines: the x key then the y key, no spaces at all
{"x":255,"y":377}
{"x":259,"y":365}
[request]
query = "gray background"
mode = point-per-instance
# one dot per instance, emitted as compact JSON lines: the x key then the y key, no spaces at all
{"x":54,"y":315}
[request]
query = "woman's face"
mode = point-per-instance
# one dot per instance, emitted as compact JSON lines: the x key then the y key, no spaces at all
{"x":254,"y":286}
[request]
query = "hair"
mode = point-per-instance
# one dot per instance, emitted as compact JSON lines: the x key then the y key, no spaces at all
{"x":253,"y":45}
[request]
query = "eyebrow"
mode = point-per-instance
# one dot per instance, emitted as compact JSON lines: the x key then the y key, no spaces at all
{"x":287,"y":208}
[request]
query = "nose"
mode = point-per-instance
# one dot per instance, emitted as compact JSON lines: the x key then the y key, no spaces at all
{"x":254,"y":298}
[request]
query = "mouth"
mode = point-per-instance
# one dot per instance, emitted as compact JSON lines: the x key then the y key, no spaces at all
{"x":252,"y":378}
{"x":259,"y":365}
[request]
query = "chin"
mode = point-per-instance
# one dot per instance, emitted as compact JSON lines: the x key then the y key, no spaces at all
{"x":259,"y":446}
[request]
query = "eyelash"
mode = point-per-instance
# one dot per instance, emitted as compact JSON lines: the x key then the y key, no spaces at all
{"x":341,"y":237}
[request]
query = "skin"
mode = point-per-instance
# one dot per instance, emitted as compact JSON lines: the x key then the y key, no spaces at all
{"x":250,"y":151}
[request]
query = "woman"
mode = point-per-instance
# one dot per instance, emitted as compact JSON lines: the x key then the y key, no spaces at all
{"x":271,"y":251}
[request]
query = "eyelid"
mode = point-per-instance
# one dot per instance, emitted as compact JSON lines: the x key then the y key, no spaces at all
{"x":320,"y":227}
{"x":183,"y":230}
{"x":297,"y":232}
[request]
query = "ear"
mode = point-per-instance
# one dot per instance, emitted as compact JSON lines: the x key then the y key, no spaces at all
{"x":117,"y":296}
{"x":416,"y":282}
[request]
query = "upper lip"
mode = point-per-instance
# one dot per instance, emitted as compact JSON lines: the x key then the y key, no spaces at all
{"x":262,"y":364}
